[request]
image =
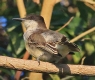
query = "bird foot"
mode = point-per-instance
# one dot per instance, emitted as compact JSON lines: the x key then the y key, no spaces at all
{"x":38,"y":59}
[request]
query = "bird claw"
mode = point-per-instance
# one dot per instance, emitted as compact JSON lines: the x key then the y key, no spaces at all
{"x":38,"y":59}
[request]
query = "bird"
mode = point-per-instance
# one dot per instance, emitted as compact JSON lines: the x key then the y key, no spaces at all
{"x":45,"y":44}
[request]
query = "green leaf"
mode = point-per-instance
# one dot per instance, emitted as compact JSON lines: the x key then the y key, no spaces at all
{"x":89,"y":47}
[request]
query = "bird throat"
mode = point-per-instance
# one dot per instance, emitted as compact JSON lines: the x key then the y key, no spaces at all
{"x":31,"y":27}
{"x":30,"y":24}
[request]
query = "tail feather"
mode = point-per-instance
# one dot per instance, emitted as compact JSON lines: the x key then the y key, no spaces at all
{"x":72,"y":46}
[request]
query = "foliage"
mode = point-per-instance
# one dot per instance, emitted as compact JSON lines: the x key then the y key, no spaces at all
{"x":84,"y":18}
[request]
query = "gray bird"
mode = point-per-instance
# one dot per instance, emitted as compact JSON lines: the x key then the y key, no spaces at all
{"x":44,"y":44}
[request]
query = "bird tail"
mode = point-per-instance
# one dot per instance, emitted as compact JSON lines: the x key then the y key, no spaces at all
{"x":72,"y":46}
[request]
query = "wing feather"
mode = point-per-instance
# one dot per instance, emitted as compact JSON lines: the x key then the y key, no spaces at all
{"x":50,"y":40}
{"x":37,"y":40}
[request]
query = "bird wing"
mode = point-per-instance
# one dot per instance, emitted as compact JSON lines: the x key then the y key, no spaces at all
{"x":43,"y":40}
{"x":52,"y":42}
{"x":62,"y":45}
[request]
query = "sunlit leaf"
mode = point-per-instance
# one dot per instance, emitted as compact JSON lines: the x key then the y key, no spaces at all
{"x":90,"y":48}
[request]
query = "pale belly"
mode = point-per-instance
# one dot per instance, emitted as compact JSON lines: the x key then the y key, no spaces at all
{"x":45,"y":56}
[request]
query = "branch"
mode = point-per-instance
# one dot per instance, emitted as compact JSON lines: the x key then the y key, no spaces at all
{"x":21,"y":64}
{"x":90,"y":5}
{"x":47,"y":9}
{"x":83,"y":34}
{"x":37,"y":1}
{"x":88,"y":1}
{"x":22,"y":11}
{"x":65,"y":24}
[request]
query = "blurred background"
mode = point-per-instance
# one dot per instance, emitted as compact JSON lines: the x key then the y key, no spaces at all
{"x":11,"y":34}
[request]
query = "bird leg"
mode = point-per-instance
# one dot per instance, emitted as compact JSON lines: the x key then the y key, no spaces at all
{"x":38,"y":58}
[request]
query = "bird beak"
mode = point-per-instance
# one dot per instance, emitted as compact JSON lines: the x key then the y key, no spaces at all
{"x":18,"y":19}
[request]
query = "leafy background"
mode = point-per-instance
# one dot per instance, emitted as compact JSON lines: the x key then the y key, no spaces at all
{"x":11,"y":34}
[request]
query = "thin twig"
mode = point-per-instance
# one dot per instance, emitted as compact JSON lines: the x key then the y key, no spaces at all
{"x":65,"y":24}
{"x":83,"y":34}
{"x":90,"y":5}
{"x":83,"y":60}
{"x":88,"y":1}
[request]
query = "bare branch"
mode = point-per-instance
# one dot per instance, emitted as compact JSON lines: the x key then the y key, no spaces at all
{"x":83,"y":34}
{"x":83,"y":60}
{"x":57,"y":1}
{"x":22,"y":11}
{"x":65,"y":24}
{"x":47,"y":9}
{"x":90,"y":5}
{"x":34,"y":66}
{"x":88,"y":1}
{"x":36,"y":1}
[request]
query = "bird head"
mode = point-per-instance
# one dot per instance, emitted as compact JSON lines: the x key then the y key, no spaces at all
{"x":32,"y":20}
